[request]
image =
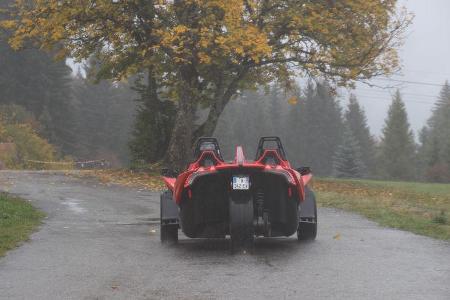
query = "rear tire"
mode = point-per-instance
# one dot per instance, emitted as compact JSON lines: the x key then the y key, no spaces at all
{"x":241,"y":225}
{"x":307,"y":228}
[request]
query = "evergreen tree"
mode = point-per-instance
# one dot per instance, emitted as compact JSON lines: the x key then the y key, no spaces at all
{"x":322,"y":129}
{"x":397,"y":144}
{"x":348,"y":161}
{"x":104,"y":115}
{"x":435,"y":145}
{"x":154,"y":122}
{"x":33,"y":79}
{"x":356,"y":121}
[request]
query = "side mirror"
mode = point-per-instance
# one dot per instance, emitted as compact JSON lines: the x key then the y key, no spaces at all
{"x":304,"y":170}
{"x":168,"y":173}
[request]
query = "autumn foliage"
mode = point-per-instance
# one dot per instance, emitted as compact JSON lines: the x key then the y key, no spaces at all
{"x":201,"y":52}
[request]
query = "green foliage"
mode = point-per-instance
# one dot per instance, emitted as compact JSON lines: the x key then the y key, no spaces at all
{"x":434,"y":152}
{"x":152,"y":127}
{"x":397,"y":150}
{"x":29,"y":146}
{"x":15,"y":114}
{"x":202,"y":52}
{"x":20,"y":140}
{"x":104,"y":114}
{"x":32,"y":79}
{"x":417,"y":207}
{"x":441,"y":218}
{"x":18,"y":219}
{"x":321,"y":131}
{"x":356,"y":120}
{"x":347,"y":160}
{"x":299,"y":123}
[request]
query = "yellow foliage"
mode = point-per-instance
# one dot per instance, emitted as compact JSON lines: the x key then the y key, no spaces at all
{"x":127,"y":178}
{"x":20,"y":144}
{"x":343,"y":42}
{"x":293,"y":100}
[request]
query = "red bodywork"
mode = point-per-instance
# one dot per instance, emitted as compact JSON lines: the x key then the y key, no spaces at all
{"x":282,"y":167}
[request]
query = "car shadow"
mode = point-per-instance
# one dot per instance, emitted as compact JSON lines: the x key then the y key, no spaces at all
{"x":261,"y":247}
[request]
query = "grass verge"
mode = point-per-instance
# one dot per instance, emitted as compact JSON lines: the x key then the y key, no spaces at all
{"x":422,"y":208}
{"x":18,"y":219}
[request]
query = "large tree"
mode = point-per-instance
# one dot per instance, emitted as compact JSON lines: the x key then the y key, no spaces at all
{"x":322,"y":128}
{"x":153,"y":124}
{"x":397,"y":143}
{"x":32,"y":79}
{"x":200,"y":52}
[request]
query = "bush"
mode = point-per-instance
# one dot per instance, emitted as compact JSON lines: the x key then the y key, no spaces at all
{"x":29,"y":146}
{"x":438,"y":173}
{"x":441,"y":218}
{"x":20,"y":143}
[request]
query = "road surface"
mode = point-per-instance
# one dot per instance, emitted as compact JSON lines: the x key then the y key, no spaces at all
{"x":101,"y":242}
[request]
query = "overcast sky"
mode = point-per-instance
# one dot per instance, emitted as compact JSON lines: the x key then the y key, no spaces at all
{"x":425,"y":58}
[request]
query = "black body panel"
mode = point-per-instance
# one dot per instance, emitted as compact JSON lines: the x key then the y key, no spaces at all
{"x":206,"y":213}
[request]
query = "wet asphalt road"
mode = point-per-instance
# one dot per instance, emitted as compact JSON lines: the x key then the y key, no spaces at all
{"x":102,"y":242}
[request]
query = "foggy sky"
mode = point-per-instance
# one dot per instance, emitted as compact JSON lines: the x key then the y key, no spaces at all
{"x":425,"y":57}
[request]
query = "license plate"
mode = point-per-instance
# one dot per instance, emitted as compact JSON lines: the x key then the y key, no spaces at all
{"x":241,"y":183}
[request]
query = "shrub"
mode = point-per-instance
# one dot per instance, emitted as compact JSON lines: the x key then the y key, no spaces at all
{"x":438,"y":173}
{"x":29,"y":146}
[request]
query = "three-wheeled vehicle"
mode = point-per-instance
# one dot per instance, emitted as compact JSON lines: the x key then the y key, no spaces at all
{"x":242,"y":198}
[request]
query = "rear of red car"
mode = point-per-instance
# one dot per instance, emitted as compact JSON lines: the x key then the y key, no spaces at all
{"x":241,"y":198}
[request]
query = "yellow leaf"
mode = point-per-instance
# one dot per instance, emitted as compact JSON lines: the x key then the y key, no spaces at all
{"x":293,"y":100}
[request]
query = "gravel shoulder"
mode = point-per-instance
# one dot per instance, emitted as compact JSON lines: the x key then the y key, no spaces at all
{"x":102,"y":242}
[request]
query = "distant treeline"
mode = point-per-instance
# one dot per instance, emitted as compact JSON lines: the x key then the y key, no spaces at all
{"x":83,"y":120}
{"x":88,"y":121}
{"x":333,"y":141}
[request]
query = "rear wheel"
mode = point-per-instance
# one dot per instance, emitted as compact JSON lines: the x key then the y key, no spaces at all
{"x":241,"y":225}
{"x":307,"y":227}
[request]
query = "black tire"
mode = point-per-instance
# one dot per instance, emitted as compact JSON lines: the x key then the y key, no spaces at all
{"x":307,"y":229}
{"x":242,"y":232}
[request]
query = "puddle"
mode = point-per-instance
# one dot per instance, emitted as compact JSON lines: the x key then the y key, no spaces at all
{"x":74,"y":205}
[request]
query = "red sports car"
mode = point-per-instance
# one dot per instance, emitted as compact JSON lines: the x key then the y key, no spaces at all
{"x":242,"y":198}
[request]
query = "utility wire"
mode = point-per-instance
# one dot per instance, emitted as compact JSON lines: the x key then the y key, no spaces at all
{"x":410,"y":82}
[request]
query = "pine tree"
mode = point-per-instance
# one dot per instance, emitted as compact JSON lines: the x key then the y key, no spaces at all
{"x":322,"y":129}
{"x":435,"y":145}
{"x":397,"y":144}
{"x":154,"y":122}
{"x":356,"y":120}
{"x":33,"y":79}
{"x":104,"y":113}
{"x":348,"y":161}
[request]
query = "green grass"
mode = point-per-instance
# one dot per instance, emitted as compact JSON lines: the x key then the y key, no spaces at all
{"x":422,"y":208}
{"x":18,"y":219}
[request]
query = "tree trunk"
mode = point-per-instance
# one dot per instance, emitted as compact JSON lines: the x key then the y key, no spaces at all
{"x":179,"y":151}
{"x":223,"y":96}
{"x":183,"y":135}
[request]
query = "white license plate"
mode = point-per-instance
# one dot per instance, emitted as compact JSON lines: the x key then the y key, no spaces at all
{"x":241,"y":183}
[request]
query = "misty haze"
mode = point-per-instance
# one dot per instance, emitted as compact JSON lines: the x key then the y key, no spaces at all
{"x":209,"y":149}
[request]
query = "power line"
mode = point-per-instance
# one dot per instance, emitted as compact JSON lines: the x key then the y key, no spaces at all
{"x":389,"y":93}
{"x":411,"y":82}
{"x":385,"y":99}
